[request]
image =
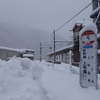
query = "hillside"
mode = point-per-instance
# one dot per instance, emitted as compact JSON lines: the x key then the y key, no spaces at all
{"x":23,"y":36}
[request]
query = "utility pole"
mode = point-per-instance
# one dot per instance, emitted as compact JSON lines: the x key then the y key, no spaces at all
{"x":40,"y":52}
{"x":54,"y":41}
{"x":54,"y":47}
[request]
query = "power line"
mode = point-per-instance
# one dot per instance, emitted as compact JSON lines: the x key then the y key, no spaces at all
{"x":73,"y":17}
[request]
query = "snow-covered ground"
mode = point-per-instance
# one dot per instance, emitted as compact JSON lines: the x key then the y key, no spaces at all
{"x":23,"y":79}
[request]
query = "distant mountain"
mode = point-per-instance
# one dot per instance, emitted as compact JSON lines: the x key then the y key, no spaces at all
{"x":23,"y":36}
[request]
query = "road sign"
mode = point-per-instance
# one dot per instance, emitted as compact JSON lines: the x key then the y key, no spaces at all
{"x":88,"y":56}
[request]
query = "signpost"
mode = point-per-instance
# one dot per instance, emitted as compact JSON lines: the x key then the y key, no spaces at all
{"x":88,"y":56}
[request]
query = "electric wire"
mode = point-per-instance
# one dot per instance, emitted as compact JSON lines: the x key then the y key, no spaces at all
{"x":73,"y":17}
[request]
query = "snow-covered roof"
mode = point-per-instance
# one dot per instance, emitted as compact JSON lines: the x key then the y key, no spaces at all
{"x":12,"y":49}
{"x":16,"y":50}
{"x":82,"y":23}
{"x":29,"y":50}
{"x":87,"y":23}
{"x":28,"y":55}
{"x":94,"y":12}
{"x":66,"y":47}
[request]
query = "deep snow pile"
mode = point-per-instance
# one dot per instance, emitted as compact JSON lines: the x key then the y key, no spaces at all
{"x":20,"y":80}
{"x":23,"y":79}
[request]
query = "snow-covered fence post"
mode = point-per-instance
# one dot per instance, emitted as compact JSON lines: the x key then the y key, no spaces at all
{"x":70,"y":59}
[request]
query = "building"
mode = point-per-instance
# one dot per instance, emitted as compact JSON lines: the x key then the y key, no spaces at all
{"x":62,"y":55}
{"x":7,"y":53}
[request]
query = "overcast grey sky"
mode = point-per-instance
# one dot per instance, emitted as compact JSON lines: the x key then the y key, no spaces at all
{"x":46,"y":15}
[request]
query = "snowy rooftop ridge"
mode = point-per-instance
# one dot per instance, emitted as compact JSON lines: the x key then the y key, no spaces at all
{"x":83,"y":23}
{"x":66,"y":47}
{"x":17,"y":50}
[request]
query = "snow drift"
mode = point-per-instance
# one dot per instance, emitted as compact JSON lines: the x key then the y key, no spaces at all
{"x":23,"y":79}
